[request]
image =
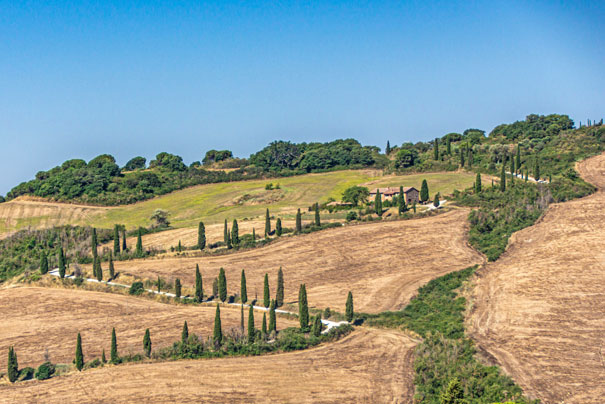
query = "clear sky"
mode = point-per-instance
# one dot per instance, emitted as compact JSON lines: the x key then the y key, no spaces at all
{"x":129,"y":78}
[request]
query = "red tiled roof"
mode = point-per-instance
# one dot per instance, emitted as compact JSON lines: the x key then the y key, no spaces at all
{"x":391,"y":190}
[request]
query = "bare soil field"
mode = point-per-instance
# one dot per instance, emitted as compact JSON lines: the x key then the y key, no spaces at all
{"x":39,"y":319}
{"x":539,"y":310}
{"x":382,"y":263}
{"x":370,"y":366}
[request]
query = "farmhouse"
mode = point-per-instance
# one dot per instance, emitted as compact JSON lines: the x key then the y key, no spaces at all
{"x":411,"y":194}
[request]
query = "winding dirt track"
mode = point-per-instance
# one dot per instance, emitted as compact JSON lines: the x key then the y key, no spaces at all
{"x":369,"y":366}
{"x":540,"y":309}
{"x":36,"y":319}
{"x":382,"y":263}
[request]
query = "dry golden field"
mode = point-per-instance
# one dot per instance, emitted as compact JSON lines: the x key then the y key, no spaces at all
{"x":367,"y":366}
{"x":382,"y":263}
{"x":540,"y":309}
{"x":39,"y":319}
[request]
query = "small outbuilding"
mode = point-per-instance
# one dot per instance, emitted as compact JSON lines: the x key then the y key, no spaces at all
{"x":411,"y":194}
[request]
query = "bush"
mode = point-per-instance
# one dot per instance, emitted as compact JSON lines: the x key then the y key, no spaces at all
{"x":136,"y":288}
{"x":25,"y":374}
{"x":351,"y":215}
{"x":45,"y":371}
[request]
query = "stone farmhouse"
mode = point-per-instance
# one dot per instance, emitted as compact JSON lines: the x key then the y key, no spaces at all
{"x":411,"y":194}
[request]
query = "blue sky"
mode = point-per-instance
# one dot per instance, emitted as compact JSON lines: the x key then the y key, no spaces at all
{"x":129,"y":78}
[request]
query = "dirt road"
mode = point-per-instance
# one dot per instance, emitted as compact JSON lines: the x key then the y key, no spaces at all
{"x":369,"y":366}
{"x":540,"y":309}
{"x":383,"y":263}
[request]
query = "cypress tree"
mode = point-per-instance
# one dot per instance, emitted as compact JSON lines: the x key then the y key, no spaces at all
{"x":267,"y":224}
{"x":512,"y":167}
{"x":222,"y":285}
{"x":115,"y":359}
{"x":448,"y":146}
{"x":177,"y":288}
{"x":526,"y":175}
{"x":470,"y":158}
{"x":478,"y":183}
{"x":462,"y":151}
{"x":235,"y":234}
{"x":112,"y":270}
{"x":179,"y":247}
{"x":241,"y":319}
{"x":316,"y":330}
{"x":503,"y":179}
{"x":436,"y":150}
{"x":201,"y":236}
{"x":279,"y":296}
{"x":272,"y":319}
{"x":266,"y":295}
{"x":303,"y":308}
{"x":79,"y":354}
{"x":226,"y":233}
{"x":253,"y":236}
{"x":518,"y":157}
{"x":387,"y":151}
{"x":537,"y":169}
{"x":278,"y":229}
{"x":298,"y":221}
{"x":199,"y":290}
{"x":378,"y":203}
{"x":43,"y":263}
{"x":264,"y":325}
{"x":103,"y":358}
{"x":124,"y":239}
{"x":94,"y":242}
{"x":349,"y":307}
{"x":139,"y":249}
{"x":401,"y":201}
{"x":243,"y":288}
{"x":147,"y":343}
{"x":116,"y":239}
{"x":97,"y":270}
{"x":317,"y":218}
{"x":424,"y":192}
{"x":215,"y":287}
{"x":414,"y":206}
{"x":229,"y":245}
{"x":185,"y":333}
{"x":61,"y":262}
{"x":436,"y":200}
{"x":251,"y":331}
{"x":12,"y":369}
{"x":218,"y":332}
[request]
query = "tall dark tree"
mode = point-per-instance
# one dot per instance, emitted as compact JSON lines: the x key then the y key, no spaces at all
{"x":12,"y":369}
{"x":222,"y":285}
{"x":298,"y":221}
{"x":185,"y":333}
{"x":401,"y":208}
{"x":201,"y":236}
{"x":279,"y":296}
{"x":266,"y":294}
{"x":263,"y":328}
{"x":316,"y":329}
{"x":79,"y":355}
{"x":537,"y":169}
{"x":253,"y":236}
{"x":124,"y":248}
{"x":278,"y":228}
{"x":518,"y":157}
{"x":147,"y":343}
{"x":349,"y":307}
{"x":235,"y":234}
{"x":251,"y":330}
{"x":114,"y":358}
{"x":478,"y":183}
{"x":470,"y":158}
{"x":139,"y":248}
{"x":199,"y":289}
{"x":317,"y":218}
{"x":267,"y":224}
{"x":512,"y":169}
{"x":503,"y":179}
{"x":303,"y":308}
{"x":448,"y":146}
{"x":229,"y":244}
{"x":97,"y":270}
{"x":43,"y":263}
{"x":112,"y":270}
{"x":159,"y":283}
{"x":177,"y":288}
{"x":218,"y":331}
{"x":378,"y":203}
{"x":241,"y":319}
{"x":226,"y":233}
{"x":436,"y":149}
{"x":387,"y":151}
{"x":103,"y":358}
{"x":243,"y":288}
{"x":424,"y":192}
{"x":61,"y":262}
{"x":94,"y":242}
{"x":436,"y":200}
{"x":462,"y":152}
{"x":272,"y":319}
{"x":116,"y":239}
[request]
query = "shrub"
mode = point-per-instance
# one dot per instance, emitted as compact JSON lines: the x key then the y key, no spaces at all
{"x":45,"y":371}
{"x":136,"y":288}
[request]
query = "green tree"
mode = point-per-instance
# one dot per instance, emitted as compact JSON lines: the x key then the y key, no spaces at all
{"x":518,"y":157}
{"x":185,"y":333}
{"x":349,"y":307}
{"x":112,"y":270}
{"x":116,"y":239}
{"x":272,"y":319}
{"x":139,"y":248}
{"x":378,"y":203}
{"x":317,"y":218}
{"x":537,"y":169}
{"x":266,"y":294}
{"x":267,"y":224}
{"x":12,"y":369}
{"x":241,"y":319}
{"x":316,"y":329}
{"x":279,"y":296}
{"x":387,"y":151}
{"x":298,"y":221}
{"x":278,"y":229}
{"x":453,"y":394}
{"x":177,"y":288}
{"x":114,"y":358}
{"x":97,"y":270}
{"x":222,"y":285}
{"x":251,"y":330}
{"x":201,"y":236}
{"x":414,"y":206}
{"x":355,"y":195}
{"x":61,"y":262}
{"x":79,"y":354}
{"x":124,"y":248}
{"x":103,"y":358}
{"x":147,"y":343}
{"x":436,"y":150}
{"x":218,"y":332}
{"x":235,"y":234}
{"x":253,"y":236}
{"x":199,"y":290}
{"x":436,"y":200}
{"x":503,"y":179}
{"x":94,"y":242}
{"x":43,"y":263}
{"x":424,"y":192}
{"x":243,"y":289}
{"x":263,"y":328}
{"x":470,"y":158}
{"x":401,"y":207}
{"x":448,"y":146}
{"x":303,"y":308}
{"x":478,"y":183}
